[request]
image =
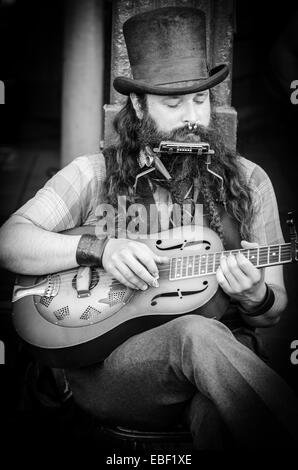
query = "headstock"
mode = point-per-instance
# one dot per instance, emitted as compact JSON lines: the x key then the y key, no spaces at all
{"x":293,"y":236}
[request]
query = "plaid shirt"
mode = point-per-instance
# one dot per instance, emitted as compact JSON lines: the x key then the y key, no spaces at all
{"x":71,"y":197}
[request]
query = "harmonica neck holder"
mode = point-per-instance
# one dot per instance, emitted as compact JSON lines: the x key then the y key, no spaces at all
{"x":150,"y":158}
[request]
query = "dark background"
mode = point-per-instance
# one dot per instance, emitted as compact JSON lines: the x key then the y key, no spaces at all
{"x":31,"y":44}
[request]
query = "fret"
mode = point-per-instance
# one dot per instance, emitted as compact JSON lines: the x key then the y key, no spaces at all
{"x":253,"y":255}
{"x":190,"y":266}
{"x":285,"y":253}
{"x":184,"y":266}
{"x":210,"y":263}
{"x":203,"y":264}
{"x":263,"y":256}
{"x":213,"y":256}
{"x":179,"y":268}
{"x":197,"y":265}
{"x":193,"y":265}
{"x":273,"y":254}
{"x":279,"y":252}
{"x":175,"y":274}
{"x":245,"y":252}
{"x":217,"y":260}
{"x":173,"y":269}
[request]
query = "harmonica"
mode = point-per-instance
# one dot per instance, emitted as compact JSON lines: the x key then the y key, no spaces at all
{"x":167,"y":147}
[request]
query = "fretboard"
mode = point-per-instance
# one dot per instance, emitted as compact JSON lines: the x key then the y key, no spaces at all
{"x":190,"y":266}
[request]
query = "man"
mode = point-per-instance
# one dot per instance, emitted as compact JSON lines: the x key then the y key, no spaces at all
{"x":201,"y":371}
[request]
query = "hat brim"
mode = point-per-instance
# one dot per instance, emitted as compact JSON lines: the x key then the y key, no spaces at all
{"x":125,"y":85}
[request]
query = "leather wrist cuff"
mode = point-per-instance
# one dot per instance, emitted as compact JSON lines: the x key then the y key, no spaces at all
{"x":90,"y":250}
{"x":263,"y":307}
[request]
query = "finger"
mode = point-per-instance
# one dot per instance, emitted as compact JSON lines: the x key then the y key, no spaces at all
{"x":130,"y":277}
{"x":222,"y":281}
{"x":248,"y":268}
{"x":149,"y":260}
{"x":117,"y":275}
{"x":246,"y":244}
{"x":236,"y":271}
{"x":141,"y":270}
{"x":161,"y":259}
{"x":233,"y":283}
{"x":262,"y":273}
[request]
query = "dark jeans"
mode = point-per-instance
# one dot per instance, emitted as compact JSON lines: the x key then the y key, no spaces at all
{"x":193,"y":369}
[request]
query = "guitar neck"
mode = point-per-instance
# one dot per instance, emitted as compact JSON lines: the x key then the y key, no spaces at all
{"x":190,"y":266}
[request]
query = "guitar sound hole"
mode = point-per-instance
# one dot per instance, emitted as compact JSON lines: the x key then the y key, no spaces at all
{"x":94,"y":279}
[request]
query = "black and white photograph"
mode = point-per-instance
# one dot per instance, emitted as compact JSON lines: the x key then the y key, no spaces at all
{"x":148,"y":240}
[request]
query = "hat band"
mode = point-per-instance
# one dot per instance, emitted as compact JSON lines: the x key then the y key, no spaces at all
{"x":166,"y":72}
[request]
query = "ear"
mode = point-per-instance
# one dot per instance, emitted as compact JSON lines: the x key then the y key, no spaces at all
{"x":136,"y":105}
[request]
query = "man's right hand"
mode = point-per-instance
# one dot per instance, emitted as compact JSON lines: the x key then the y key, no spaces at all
{"x":132,"y":263}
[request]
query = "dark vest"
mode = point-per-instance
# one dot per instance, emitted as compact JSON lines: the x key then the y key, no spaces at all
{"x":230,"y":226}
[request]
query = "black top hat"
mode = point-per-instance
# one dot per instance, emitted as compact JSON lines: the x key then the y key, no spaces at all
{"x":167,"y":53}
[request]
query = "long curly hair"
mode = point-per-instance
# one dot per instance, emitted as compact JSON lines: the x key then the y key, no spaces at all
{"x":122,"y":168}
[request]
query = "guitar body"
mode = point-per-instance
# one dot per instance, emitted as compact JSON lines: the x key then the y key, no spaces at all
{"x":78,"y":317}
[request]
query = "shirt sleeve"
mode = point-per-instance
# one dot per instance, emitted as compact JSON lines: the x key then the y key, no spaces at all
{"x":68,"y":197}
{"x":266,"y":229}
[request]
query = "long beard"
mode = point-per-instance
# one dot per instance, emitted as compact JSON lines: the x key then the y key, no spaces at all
{"x":183,"y":169}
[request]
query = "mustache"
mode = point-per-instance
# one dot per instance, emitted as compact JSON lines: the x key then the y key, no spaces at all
{"x":184,"y":134}
{"x":148,"y":134}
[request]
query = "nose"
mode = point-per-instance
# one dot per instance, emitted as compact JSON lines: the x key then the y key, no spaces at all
{"x":190,"y":114}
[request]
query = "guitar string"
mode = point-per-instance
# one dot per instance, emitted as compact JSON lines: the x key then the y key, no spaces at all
{"x":286,"y":252}
{"x":165,"y":269}
{"x":213,"y":255}
{"x":94,"y":276}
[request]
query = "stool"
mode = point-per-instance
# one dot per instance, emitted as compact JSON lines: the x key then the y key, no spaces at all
{"x":131,"y":440}
{"x":48,"y":390}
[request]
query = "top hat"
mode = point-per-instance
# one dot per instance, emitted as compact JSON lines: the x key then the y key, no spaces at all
{"x":167,"y":53}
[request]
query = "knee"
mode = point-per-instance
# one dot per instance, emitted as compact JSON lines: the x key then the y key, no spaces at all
{"x":197,"y":327}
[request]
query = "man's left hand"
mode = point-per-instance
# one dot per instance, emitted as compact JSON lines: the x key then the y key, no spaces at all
{"x":241,"y":280}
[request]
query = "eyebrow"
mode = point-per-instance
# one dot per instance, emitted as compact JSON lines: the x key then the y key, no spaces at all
{"x":204,"y":92}
{"x":172,"y":97}
{"x":200,"y":93}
